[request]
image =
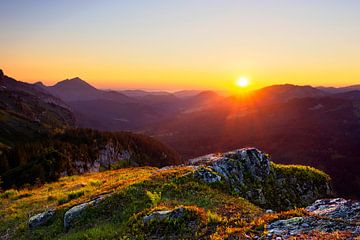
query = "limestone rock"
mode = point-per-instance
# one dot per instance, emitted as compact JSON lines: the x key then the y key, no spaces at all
{"x":41,"y":218}
{"x":77,"y":210}
{"x":207,"y":175}
{"x":160,"y":216}
{"x":326,"y":215}
{"x":249,"y":173}
{"x":234,"y":165}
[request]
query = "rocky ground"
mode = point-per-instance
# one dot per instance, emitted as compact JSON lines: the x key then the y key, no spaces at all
{"x":325,"y":215}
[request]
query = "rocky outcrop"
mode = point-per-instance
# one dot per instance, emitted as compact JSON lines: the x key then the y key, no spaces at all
{"x":77,"y":210}
{"x":41,"y":218}
{"x":233,"y":166}
{"x":327,"y":215}
{"x":249,"y":173}
{"x":107,"y":156}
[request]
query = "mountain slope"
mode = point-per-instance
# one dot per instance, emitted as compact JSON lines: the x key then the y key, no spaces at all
{"x":79,"y":151}
{"x":27,"y":112}
{"x":321,"y":132}
{"x":150,"y":203}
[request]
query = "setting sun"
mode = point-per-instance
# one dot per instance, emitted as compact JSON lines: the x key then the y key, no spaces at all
{"x":243,"y":82}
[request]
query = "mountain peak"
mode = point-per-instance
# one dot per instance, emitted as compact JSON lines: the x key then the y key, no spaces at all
{"x":73,"y":83}
{"x":39,"y":83}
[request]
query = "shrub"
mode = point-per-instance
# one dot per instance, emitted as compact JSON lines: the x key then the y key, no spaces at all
{"x":62,"y":201}
{"x":95,"y":183}
{"x":75,"y":194}
{"x":155,"y":197}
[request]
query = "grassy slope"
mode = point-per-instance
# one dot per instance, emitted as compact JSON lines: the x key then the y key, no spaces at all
{"x":138,"y":191}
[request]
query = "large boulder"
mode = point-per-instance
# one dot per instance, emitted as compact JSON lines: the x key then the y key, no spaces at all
{"x":326,"y":215}
{"x":249,"y":173}
{"x":41,"y":218}
{"x":236,"y":165}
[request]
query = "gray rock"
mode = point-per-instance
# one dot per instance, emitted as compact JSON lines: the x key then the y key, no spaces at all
{"x":235,"y":164}
{"x":41,"y":218}
{"x":249,"y":173}
{"x":158,"y":216}
{"x":269,"y":211}
{"x":207,"y":175}
{"x":77,"y":210}
{"x":163,"y":215}
{"x":327,"y":215}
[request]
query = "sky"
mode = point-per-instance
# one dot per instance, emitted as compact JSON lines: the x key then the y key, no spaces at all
{"x":182,"y":44}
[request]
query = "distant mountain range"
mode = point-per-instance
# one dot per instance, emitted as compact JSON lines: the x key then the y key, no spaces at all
{"x":340,"y":89}
{"x":122,"y":110}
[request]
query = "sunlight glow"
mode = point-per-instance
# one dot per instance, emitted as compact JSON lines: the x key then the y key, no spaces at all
{"x":242,"y":82}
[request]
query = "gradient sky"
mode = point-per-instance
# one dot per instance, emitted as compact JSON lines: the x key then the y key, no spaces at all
{"x":184,"y":44}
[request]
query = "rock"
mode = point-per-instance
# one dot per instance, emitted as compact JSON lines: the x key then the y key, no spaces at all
{"x":163,"y":215}
{"x":158,"y":216}
{"x":325,"y":215}
{"x":207,"y":175}
{"x":77,"y":210}
{"x":41,"y":218}
{"x":249,"y":173}
{"x":269,"y":211}
{"x":234,"y":165}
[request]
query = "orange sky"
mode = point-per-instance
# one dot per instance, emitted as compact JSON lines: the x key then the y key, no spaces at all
{"x":182,"y":44}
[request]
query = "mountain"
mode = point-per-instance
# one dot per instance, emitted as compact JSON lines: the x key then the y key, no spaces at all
{"x":134,"y":110}
{"x":27,"y":111}
{"x":283,"y":93}
{"x":322,"y":132}
{"x":142,"y":93}
{"x":186,"y":93}
{"x":340,"y":89}
{"x":75,"y":89}
{"x":234,"y":195}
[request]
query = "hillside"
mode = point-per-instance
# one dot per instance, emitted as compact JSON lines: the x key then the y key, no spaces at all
{"x":322,"y":132}
{"x":77,"y":151}
{"x":188,"y":202}
{"x":26,"y":112}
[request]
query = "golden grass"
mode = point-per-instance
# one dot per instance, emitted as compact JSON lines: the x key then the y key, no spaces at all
{"x":18,"y":207}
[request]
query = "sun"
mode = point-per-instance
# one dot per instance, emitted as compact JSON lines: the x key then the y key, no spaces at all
{"x":243,"y":82}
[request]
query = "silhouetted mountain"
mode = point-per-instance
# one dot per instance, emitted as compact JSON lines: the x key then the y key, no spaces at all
{"x":27,"y":111}
{"x":284,"y":93}
{"x":76,"y":89}
{"x":340,"y":89}
{"x":142,"y":93}
{"x":186,"y":93}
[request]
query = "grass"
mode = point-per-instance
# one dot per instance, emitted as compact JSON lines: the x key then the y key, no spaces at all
{"x":211,"y":210}
{"x":15,"y":211}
